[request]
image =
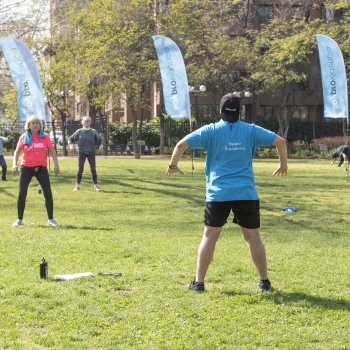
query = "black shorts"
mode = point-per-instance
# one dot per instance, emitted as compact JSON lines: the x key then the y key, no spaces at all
{"x":246,"y":213}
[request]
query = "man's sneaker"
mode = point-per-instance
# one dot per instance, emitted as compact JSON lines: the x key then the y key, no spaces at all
{"x":4,"y":178}
{"x":265,"y":285}
{"x":196,"y":286}
{"x":17,"y":223}
{"x":97,"y":189}
{"x":76,"y":188}
{"x":52,"y":223}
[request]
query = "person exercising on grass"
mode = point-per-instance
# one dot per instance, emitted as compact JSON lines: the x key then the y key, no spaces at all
{"x":34,"y":145}
{"x":230,"y":145}
{"x":86,"y":138}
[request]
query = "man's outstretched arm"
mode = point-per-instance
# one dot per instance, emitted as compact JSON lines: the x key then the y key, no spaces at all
{"x":280,"y":144}
{"x":179,"y":150}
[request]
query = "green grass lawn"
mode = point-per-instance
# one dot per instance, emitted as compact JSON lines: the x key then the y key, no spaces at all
{"x":148,"y":226}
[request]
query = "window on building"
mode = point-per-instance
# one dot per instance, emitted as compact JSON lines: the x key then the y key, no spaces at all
{"x":304,"y":112}
{"x":265,"y":13}
{"x":301,"y":113}
{"x":338,"y":14}
{"x":329,"y":14}
{"x":298,"y":11}
{"x":81,"y":108}
{"x":267,"y":111}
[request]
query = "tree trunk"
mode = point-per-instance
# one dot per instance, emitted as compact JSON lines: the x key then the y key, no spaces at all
{"x":255,"y":107}
{"x":134,"y":135}
{"x":100,"y":114}
{"x":64,"y":133}
{"x":161,"y":134}
{"x":283,"y":120}
{"x":54,"y":134}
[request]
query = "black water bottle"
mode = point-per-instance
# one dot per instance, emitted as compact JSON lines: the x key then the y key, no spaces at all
{"x":44,"y":272}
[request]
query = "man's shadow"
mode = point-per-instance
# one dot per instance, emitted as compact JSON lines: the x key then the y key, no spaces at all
{"x":302,"y":299}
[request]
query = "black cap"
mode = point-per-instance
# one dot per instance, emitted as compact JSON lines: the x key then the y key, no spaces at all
{"x":229,"y":107}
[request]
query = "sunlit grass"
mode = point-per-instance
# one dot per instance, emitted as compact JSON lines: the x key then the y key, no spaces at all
{"x":148,"y":226}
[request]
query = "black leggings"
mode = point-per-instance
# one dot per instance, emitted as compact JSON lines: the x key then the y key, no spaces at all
{"x":25,"y":176}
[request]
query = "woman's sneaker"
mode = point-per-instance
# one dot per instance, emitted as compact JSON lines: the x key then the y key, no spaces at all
{"x":17,"y":223}
{"x":52,"y":223}
{"x":265,"y":285}
{"x":196,"y":286}
{"x":97,"y":189}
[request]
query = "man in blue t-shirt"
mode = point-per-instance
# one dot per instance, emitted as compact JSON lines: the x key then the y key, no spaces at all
{"x":230,"y":145}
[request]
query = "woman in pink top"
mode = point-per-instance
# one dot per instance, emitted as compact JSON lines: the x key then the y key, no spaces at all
{"x":34,"y":145}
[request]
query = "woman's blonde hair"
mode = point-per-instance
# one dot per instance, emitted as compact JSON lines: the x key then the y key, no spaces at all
{"x":31,"y":119}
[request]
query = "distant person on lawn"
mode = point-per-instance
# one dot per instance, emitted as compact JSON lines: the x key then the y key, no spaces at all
{"x":230,"y":146}
{"x":3,"y":164}
{"x":86,"y":138}
{"x":342,"y":153}
{"x":34,"y":145}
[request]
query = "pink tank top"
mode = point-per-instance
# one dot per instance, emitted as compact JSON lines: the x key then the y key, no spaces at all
{"x":36,"y":153}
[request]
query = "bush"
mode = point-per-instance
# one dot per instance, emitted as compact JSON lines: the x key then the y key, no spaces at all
{"x":175,"y":130}
{"x":270,"y":123}
{"x":121,"y":133}
{"x":269,"y":152}
{"x":150,"y":134}
{"x":330,"y":142}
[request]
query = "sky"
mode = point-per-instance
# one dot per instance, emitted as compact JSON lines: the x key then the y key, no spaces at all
{"x":15,"y":10}
{"x":21,"y":7}
{"x":15,"y":5}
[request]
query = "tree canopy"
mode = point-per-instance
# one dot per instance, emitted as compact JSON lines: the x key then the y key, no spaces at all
{"x":103,"y":48}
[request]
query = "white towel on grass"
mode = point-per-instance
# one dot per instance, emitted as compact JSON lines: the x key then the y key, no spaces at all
{"x":72,"y":276}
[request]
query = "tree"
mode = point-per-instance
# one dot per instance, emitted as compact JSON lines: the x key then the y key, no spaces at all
{"x":280,"y":61}
{"x":224,"y":49}
{"x":220,"y":46}
{"x":285,"y":58}
{"x":212,"y":36}
{"x":59,"y":77}
{"x":23,"y":18}
{"x":115,"y":50}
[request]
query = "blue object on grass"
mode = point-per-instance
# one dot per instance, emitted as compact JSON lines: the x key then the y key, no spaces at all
{"x":289,"y":210}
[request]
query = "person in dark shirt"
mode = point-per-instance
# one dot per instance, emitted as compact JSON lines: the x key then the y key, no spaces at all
{"x":342,"y":153}
{"x":2,"y":159}
{"x":86,"y":138}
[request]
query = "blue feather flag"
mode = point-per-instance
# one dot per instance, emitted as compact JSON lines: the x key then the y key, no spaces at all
{"x":334,"y":83}
{"x":174,"y":78}
{"x":25,"y":76}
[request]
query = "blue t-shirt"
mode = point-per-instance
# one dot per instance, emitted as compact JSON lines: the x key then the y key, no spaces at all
{"x":229,"y":163}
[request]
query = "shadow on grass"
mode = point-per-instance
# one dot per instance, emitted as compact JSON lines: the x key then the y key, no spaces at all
{"x":306,"y":300}
{"x":293,"y":222}
{"x":156,"y":189}
{"x":300,"y":299}
{"x":73,"y":227}
{"x":164,"y":181}
{"x":9,"y":192}
{"x":130,"y":192}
